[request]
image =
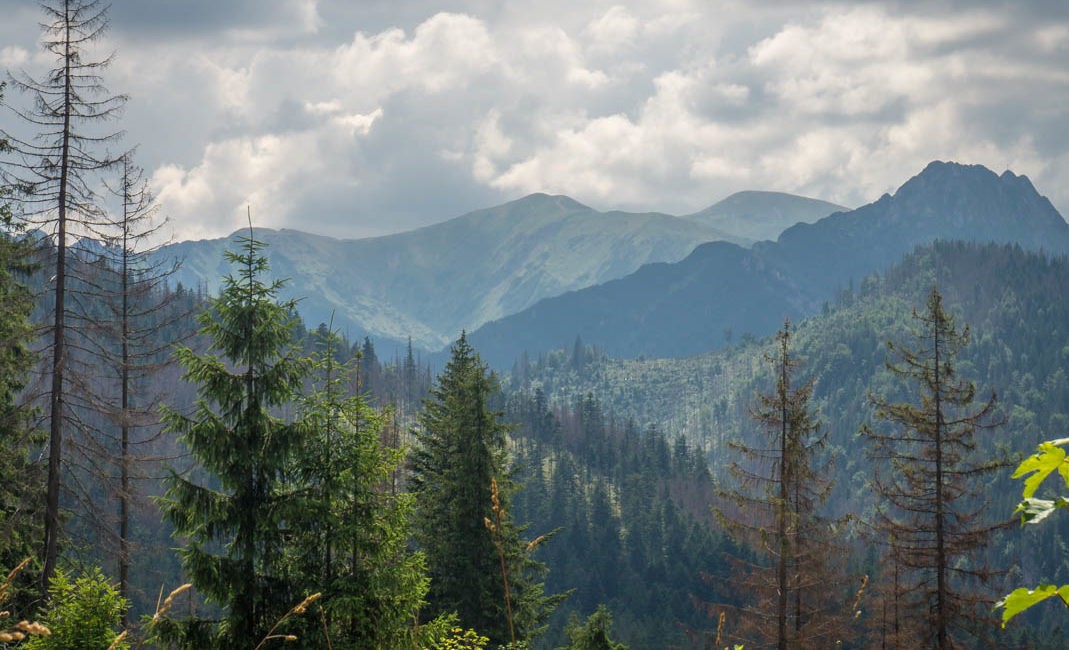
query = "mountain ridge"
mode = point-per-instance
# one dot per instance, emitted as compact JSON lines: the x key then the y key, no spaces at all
{"x":432,"y":282}
{"x":691,"y":312}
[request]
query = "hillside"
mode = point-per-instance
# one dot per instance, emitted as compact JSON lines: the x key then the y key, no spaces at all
{"x":1015,"y":302}
{"x":1016,"y":305}
{"x":433,"y":282}
{"x":722,"y":291}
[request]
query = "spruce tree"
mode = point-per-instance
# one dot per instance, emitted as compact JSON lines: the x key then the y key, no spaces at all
{"x":236,"y":525}
{"x":459,"y":458}
{"x":930,"y":512}
{"x":21,"y":491}
{"x":354,"y":549}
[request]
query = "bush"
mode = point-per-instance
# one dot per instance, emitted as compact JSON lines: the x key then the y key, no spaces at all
{"x":83,"y":614}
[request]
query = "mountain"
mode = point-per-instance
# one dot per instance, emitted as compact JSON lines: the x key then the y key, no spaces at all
{"x":433,"y":282}
{"x":722,"y":290}
{"x":761,"y":216}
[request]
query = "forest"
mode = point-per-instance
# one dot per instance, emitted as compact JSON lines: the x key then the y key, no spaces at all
{"x":185,"y":470}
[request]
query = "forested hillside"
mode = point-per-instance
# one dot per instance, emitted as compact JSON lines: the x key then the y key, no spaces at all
{"x":1015,"y":303}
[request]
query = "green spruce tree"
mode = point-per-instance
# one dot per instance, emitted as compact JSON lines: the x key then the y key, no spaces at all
{"x":355,"y":546}
{"x":21,"y":492}
{"x":459,"y":458}
{"x":236,"y":525}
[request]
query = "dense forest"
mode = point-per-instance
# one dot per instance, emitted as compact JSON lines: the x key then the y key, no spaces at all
{"x":185,"y":470}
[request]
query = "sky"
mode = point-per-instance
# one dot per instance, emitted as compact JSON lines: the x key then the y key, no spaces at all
{"x":358,"y":118}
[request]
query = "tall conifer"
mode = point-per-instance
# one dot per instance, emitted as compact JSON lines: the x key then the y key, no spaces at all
{"x":793,"y":597}
{"x":355,"y":548}
{"x":237,"y":525}
{"x":55,"y":171}
{"x":461,"y":452}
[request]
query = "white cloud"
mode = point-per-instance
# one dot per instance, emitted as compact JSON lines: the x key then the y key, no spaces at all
{"x":616,"y":29}
{"x":347,"y":120}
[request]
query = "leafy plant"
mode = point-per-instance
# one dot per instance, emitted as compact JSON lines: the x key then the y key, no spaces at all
{"x":1049,"y":458}
{"x":83,"y":613}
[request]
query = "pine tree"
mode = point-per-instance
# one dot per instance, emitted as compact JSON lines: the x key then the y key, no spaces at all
{"x":797,"y":599}
{"x":55,"y":174}
{"x":459,"y":458}
{"x":237,"y":525}
{"x":930,"y":512}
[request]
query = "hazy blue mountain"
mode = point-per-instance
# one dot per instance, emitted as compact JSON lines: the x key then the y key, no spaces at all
{"x":433,"y":282}
{"x":761,"y":216}
{"x":722,"y":290}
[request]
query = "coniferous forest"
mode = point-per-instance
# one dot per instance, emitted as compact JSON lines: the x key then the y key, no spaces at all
{"x":185,"y":468}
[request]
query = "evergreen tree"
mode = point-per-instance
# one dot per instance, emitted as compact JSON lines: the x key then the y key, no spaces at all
{"x":460,"y":456}
{"x":593,"y":634}
{"x":20,"y":489}
{"x":930,"y":509}
{"x":796,"y":599}
{"x":237,"y":524}
{"x":55,"y":172}
{"x":355,"y":546}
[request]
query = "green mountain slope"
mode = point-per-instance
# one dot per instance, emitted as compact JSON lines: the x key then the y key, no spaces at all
{"x":432,"y":282}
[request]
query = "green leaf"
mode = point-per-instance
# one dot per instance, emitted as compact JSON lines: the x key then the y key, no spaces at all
{"x":1021,"y":599}
{"x":1049,"y":458}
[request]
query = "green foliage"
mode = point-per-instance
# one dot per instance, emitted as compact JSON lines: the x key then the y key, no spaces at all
{"x":1048,"y":459}
{"x":354,"y":544}
{"x":21,"y":486}
{"x":82,"y":614}
{"x":461,"y":452}
{"x":461,"y":639}
{"x":593,"y":634}
{"x":237,"y":532}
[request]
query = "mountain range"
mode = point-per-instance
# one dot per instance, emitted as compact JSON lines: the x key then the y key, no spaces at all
{"x":723,"y":290}
{"x":536,"y":273}
{"x":431,"y":283}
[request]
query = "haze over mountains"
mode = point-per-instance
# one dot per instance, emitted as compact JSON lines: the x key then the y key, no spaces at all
{"x":433,"y":282}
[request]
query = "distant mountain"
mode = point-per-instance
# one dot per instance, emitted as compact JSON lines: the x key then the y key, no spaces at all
{"x":761,"y":216}
{"x":722,"y":291}
{"x":433,"y":282}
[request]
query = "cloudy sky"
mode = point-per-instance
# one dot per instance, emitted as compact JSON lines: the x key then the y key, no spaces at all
{"x":355,"y":118}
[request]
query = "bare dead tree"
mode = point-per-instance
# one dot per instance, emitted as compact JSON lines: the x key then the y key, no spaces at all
{"x":931,"y":513}
{"x":56,"y":171}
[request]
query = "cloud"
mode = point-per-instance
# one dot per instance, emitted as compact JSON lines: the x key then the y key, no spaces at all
{"x":365,"y":118}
